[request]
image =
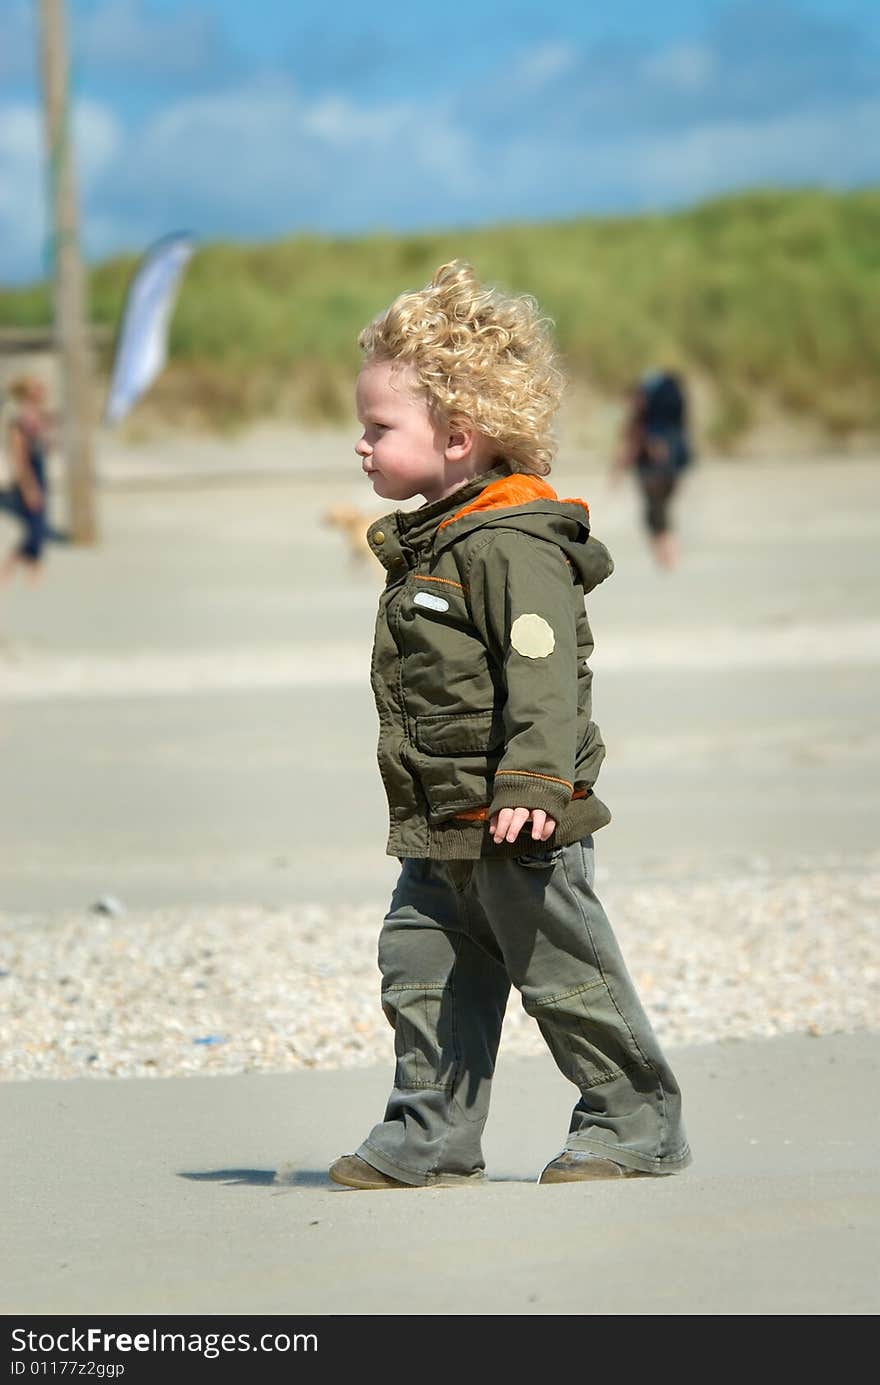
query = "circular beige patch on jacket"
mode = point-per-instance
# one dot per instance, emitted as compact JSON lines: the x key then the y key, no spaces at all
{"x":533,"y":636}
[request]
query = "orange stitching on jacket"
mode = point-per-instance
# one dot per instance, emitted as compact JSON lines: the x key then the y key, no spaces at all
{"x":423,"y":577}
{"x":481,"y":814}
{"x":532,"y":775}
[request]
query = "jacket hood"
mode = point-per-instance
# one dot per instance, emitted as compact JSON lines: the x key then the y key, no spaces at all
{"x":521,"y":501}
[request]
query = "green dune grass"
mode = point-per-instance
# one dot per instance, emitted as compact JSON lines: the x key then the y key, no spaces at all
{"x":766,"y":295}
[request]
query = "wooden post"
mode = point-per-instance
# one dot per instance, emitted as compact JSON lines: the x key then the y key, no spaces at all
{"x":70,"y":330}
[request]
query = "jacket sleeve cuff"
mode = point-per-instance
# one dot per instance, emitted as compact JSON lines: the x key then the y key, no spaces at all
{"x":530,"y":790}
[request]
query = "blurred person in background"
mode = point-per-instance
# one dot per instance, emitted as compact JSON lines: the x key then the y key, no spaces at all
{"x":28,"y":438}
{"x":656,"y":447}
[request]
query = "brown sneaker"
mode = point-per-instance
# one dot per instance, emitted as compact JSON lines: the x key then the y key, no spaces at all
{"x":354,"y":1172}
{"x":573,"y":1166}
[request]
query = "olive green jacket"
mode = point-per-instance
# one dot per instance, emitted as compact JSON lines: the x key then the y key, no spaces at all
{"x":480,"y":667}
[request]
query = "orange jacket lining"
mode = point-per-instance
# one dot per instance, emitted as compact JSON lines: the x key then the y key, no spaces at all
{"x":519,"y":488}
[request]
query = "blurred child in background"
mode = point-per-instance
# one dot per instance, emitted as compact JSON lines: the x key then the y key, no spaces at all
{"x":656,"y":447}
{"x":28,"y":437}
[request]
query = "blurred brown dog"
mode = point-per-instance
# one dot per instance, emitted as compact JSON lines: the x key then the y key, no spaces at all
{"x":353,"y":525}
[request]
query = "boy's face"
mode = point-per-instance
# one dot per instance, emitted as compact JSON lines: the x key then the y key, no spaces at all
{"x":402,"y":449}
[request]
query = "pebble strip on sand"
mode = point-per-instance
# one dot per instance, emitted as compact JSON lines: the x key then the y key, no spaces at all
{"x":233,"y":989}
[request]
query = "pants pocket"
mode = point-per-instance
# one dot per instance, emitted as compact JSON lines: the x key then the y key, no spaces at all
{"x":425,"y":1047}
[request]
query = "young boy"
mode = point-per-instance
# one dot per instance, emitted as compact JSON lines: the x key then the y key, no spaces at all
{"x":488,"y":754}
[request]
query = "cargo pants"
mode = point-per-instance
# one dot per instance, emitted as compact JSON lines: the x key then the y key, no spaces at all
{"x":456,"y":936}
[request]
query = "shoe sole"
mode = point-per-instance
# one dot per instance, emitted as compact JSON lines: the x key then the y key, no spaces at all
{"x":591,"y":1177}
{"x":592,"y":1170}
{"x":367,"y":1185}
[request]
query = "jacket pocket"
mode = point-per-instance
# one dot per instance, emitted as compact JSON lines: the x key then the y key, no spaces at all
{"x":454,"y":756}
{"x":461,"y":733}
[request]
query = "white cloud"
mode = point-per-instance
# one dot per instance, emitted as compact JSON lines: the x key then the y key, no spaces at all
{"x":545,"y":63}
{"x":22,"y":214}
{"x":274,"y":162}
{"x":23,"y":193}
{"x":834,"y":147}
{"x":338,"y":121}
{"x":225,"y":148}
{"x":253,"y":162}
{"x":120,"y":36}
{"x":687,"y":67}
{"x":258,"y":161}
{"x":98,"y":141}
{"x":820,"y":146}
{"x":18,"y":44}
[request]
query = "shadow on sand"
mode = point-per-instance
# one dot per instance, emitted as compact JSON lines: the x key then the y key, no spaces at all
{"x":260,"y":1178}
{"x":292,"y":1178}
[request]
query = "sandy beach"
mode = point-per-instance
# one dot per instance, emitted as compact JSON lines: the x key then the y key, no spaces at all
{"x":187,"y":734}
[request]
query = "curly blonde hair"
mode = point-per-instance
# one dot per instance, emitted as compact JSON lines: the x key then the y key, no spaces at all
{"x":481,"y":357}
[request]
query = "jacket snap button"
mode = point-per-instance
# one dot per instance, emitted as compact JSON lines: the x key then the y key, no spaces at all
{"x":379,"y":536}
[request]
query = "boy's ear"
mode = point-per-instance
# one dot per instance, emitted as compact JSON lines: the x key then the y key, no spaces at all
{"x":459,"y":442}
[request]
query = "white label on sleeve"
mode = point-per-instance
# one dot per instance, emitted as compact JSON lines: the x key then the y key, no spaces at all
{"x":435,"y":603}
{"x":532,"y":636}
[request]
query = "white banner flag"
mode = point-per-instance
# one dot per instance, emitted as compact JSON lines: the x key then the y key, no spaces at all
{"x":142,"y":344}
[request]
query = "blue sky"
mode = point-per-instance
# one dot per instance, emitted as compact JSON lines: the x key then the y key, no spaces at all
{"x":258,"y":118}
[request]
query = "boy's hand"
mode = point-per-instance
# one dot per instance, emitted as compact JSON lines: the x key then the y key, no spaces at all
{"x":506,"y":824}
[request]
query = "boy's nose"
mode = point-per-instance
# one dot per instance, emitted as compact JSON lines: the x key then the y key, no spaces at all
{"x":362,"y":447}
